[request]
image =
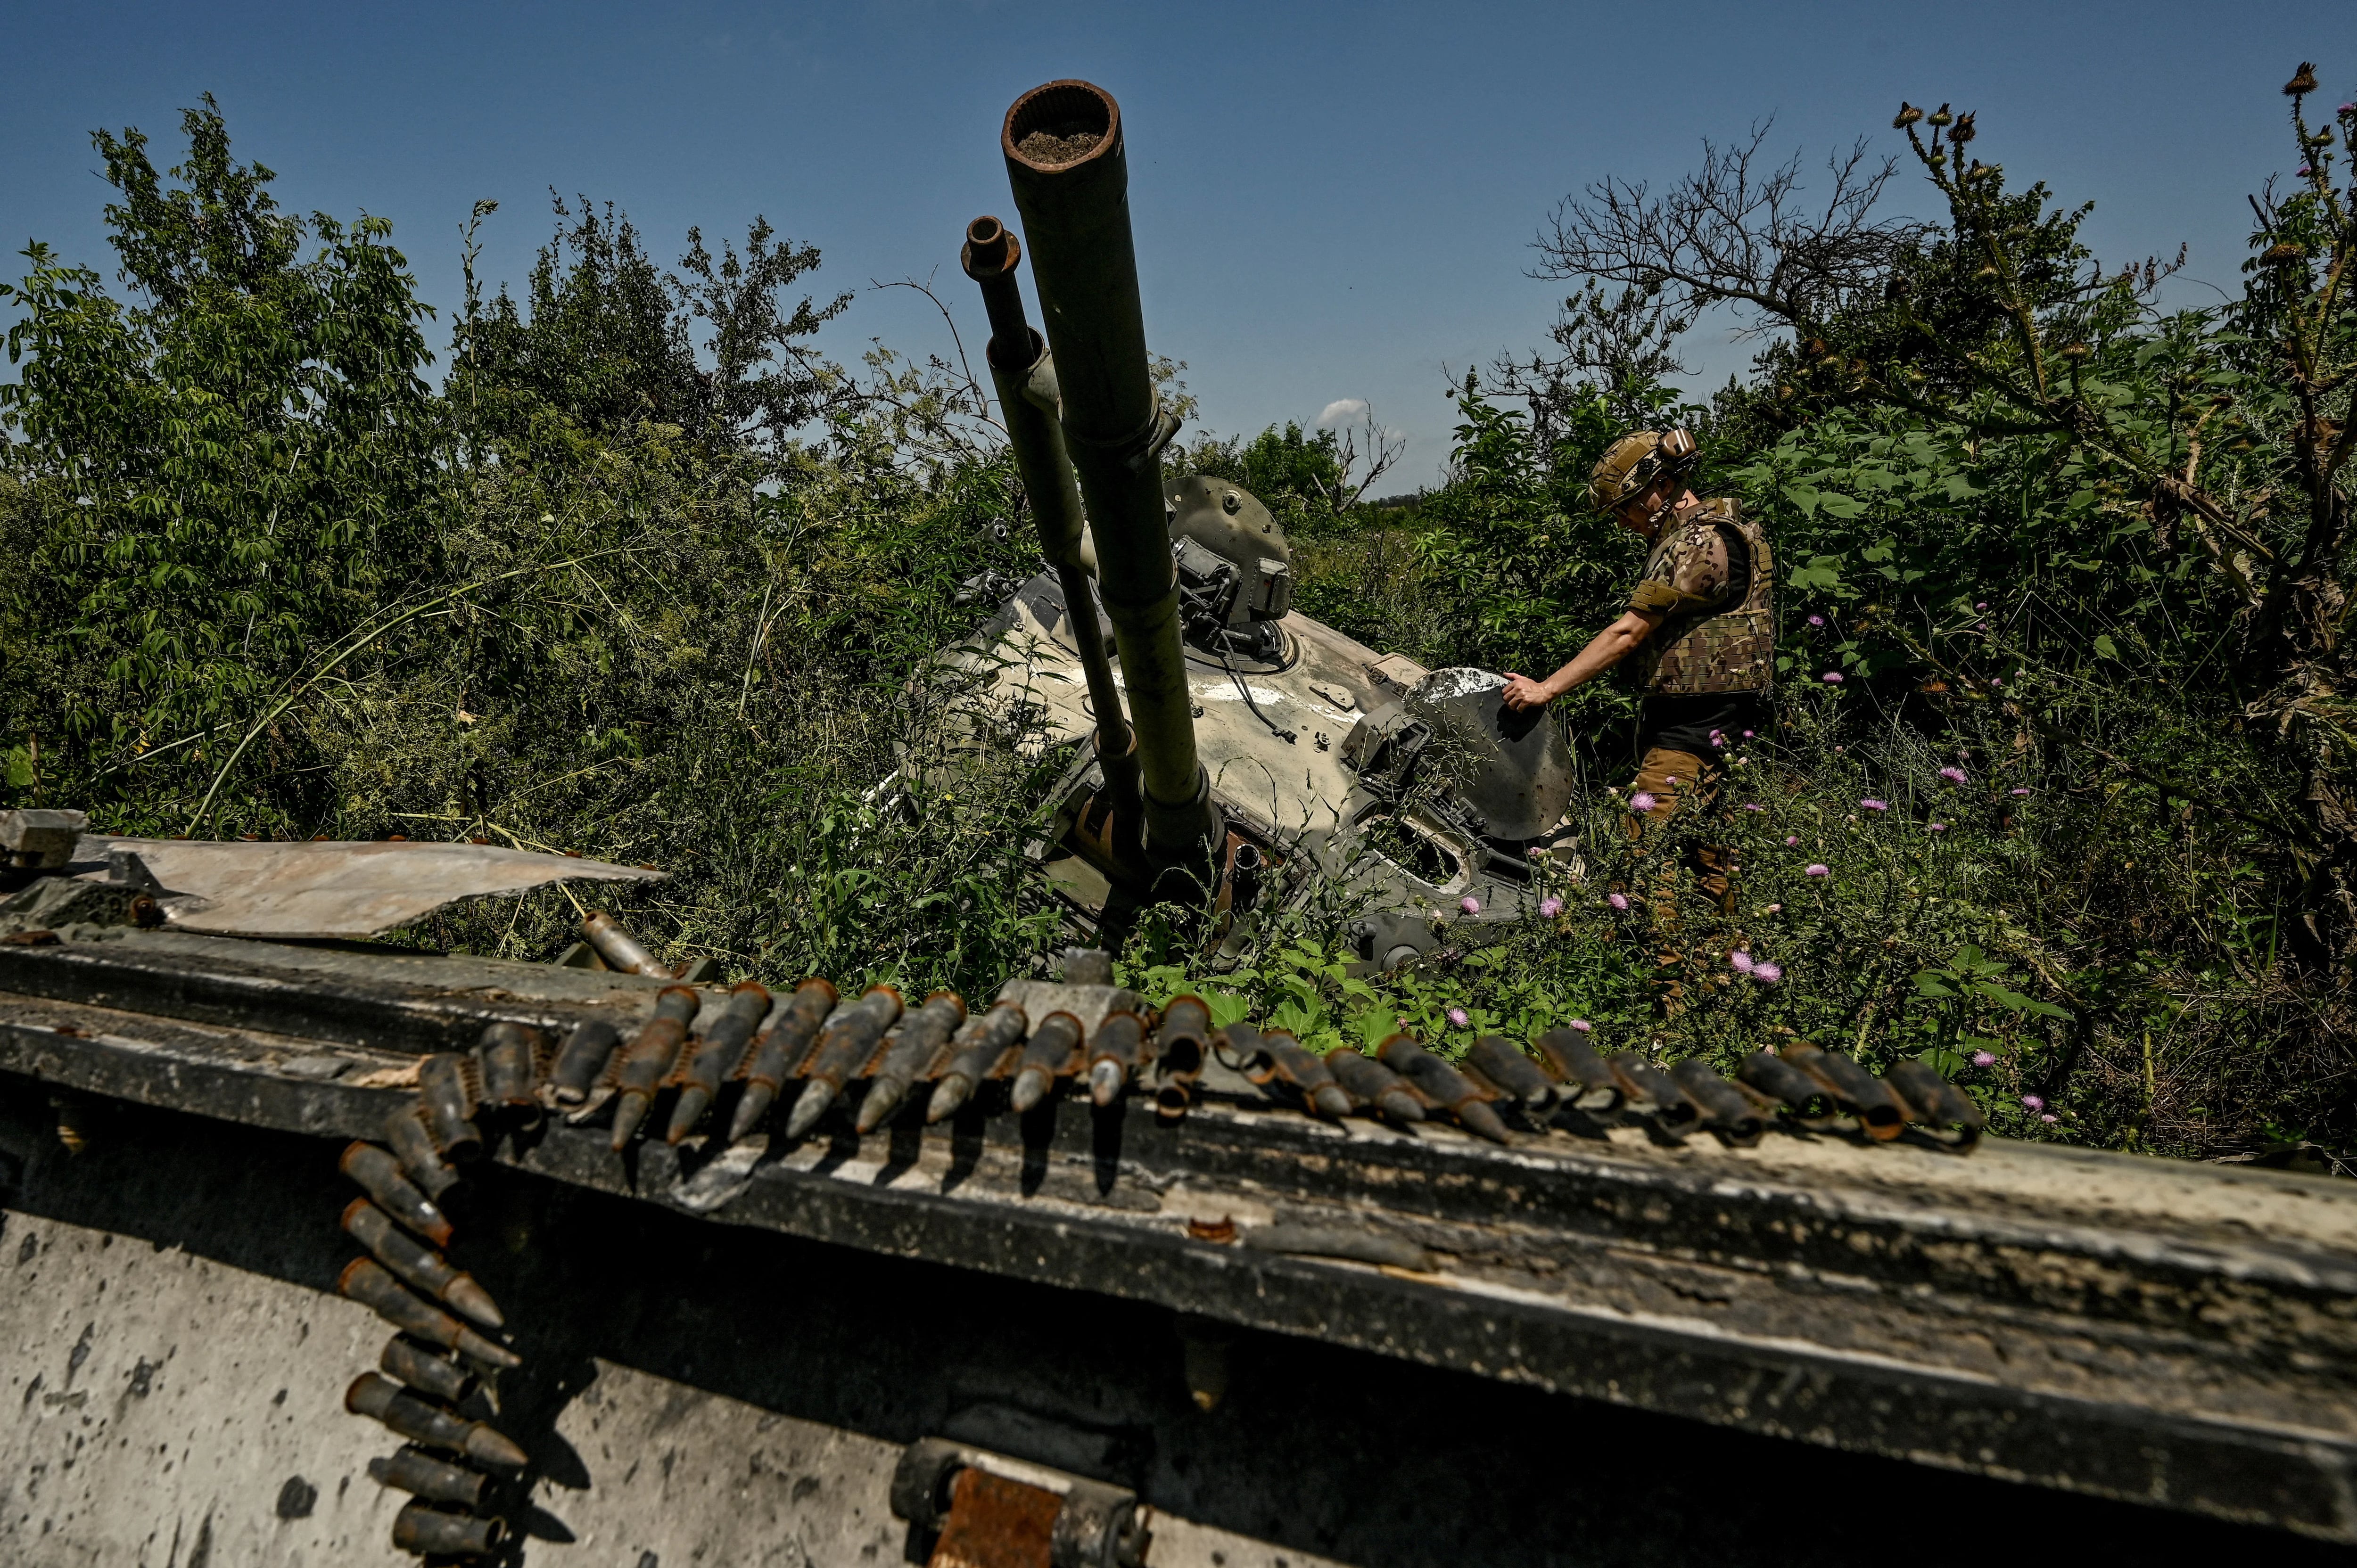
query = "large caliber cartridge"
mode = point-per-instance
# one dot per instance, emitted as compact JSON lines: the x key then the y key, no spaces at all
{"x":1724,"y":1110}
{"x":413,"y":1146}
{"x":1942,"y":1109}
{"x":1244,"y":1049}
{"x":365,"y":1280}
{"x":780,"y":1051}
{"x":428,"y":1532}
{"x":418,"y":1472}
{"x":1444,"y":1085}
{"x":648,"y":1060}
{"x":1859,"y":1091}
{"x":420,"y":1265}
{"x":510,"y":1054}
{"x":909,"y":1054}
{"x":1504,"y":1063}
{"x":1180,"y":1038}
{"x":1808,"y":1100}
{"x":421,"y":1368}
{"x":378,"y":1175}
{"x":1369,"y":1083}
{"x":974,"y":1054}
{"x":583,"y":1061}
{"x":1640,"y":1080}
{"x":379,"y":1398}
{"x":1277,"y":1058}
{"x":1046,"y":1058}
{"x":717,"y":1055}
{"x":1114,"y":1052}
{"x":620,"y":950}
{"x":1592,"y":1086}
{"x":449,"y":1105}
{"x":845,"y":1044}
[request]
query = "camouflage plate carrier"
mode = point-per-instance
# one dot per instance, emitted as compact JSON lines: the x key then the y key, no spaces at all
{"x":1698,"y":650}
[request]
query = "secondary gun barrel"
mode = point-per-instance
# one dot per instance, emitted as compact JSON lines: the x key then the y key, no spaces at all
{"x":378,"y":1175}
{"x":418,"y":1472}
{"x":909,"y":1051}
{"x":420,"y":1265}
{"x":1369,"y":1082}
{"x":721,"y":1052}
{"x":1029,"y":398}
{"x":379,"y":1398}
{"x":1069,"y":172}
{"x":1046,"y":1058}
{"x":648,"y":1060}
{"x":1446,"y":1087}
{"x":781,"y":1050}
{"x":844,"y":1046}
{"x":973,"y":1054}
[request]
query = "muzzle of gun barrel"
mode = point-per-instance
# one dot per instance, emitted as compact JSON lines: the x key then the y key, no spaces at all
{"x":974,"y":1054}
{"x":413,"y":1146}
{"x":379,"y":1398}
{"x":418,"y":1472}
{"x":447,"y":1103}
{"x":720,"y":1053}
{"x":1444,"y":1085}
{"x":510,"y":1056}
{"x":582,"y":1061}
{"x":427,"y":1371}
{"x":648,"y":1060}
{"x":1114,"y":1051}
{"x":1286,"y":1060}
{"x":1724,"y":1110}
{"x":1180,"y":1038}
{"x":1369,"y":1083}
{"x":1939,"y":1107}
{"x":1860,"y":1092}
{"x":1641,"y":1081}
{"x":1047,"y":1056}
{"x":1808,"y":1101}
{"x":1592,"y":1086}
{"x":845,"y":1044}
{"x":1504,"y":1063}
{"x":429,"y":1532}
{"x":419,"y":1264}
{"x":378,"y":1175}
{"x":910,"y":1051}
{"x":780,"y":1051}
{"x":366,"y":1281}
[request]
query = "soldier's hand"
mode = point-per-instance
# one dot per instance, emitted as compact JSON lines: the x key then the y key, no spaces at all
{"x":1521,"y":692}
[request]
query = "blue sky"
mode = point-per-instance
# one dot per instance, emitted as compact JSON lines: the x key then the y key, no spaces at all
{"x":1332,"y":201}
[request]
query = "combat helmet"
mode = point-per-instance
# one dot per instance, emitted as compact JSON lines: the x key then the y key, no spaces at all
{"x":1635,"y":461}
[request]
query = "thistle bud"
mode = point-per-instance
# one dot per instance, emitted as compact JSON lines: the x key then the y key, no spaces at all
{"x":1813,"y":349}
{"x":1963,"y":131}
{"x":1786,"y":393}
{"x":1988,"y":274}
{"x":2303,"y":80}
{"x":1908,"y":115}
{"x":1940,"y":116}
{"x":2284,"y":253}
{"x":2076,"y":352}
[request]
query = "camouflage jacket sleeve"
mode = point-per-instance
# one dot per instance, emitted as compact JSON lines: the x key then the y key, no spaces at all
{"x":1687,"y":571}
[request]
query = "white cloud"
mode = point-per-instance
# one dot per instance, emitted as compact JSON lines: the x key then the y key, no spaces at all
{"x":1342,"y":411}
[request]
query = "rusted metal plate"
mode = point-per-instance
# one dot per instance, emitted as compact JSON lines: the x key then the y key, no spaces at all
{"x":337,"y":890}
{"x":995,"y":1524}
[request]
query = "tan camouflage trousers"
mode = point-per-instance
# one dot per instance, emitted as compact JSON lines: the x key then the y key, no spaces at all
{"x":1678,"y":781}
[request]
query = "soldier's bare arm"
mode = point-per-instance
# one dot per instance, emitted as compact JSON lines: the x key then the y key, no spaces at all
{"x":1604,"y":649}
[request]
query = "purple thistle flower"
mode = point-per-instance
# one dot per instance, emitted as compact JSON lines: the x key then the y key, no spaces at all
{"x":1775,"y":909}
{"x":1767,"y":973}
{"x":2032,"y":1103}
{"x":1471,"y":905}
{"x":1994,"y":682}
{"x":1456,"y":1017}
{"x":1549,"y":908}
{"x":1582,"y":1025}
{"x":1981,"y":606}
{"x":1619,"y":901}
{"x":1642,"y":801}
{"x":2302,"y":171}
{"x":1791,"y":841}
{"x":1983,"y":1058}
{"x":1954,"y":775}
{"x":2050,"y":1120}
{"x":1718,"y":743}
{"x":1871,"y":804}
{"x":2021,"y":792}
{"x":2349,"y":109}
{"x":1739,"y":960}
{"x":1830,"y":677}
{"x":1937,"y":827}
{"x":1669,"y":778}
{"x":1818,"y":869}
{"x":1753,"y":806}
{"x":1816,"y":620}
{"x":1747,"y":734}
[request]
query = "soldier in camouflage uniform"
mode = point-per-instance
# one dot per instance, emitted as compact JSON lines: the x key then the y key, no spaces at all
{"x":1701,"y":627}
